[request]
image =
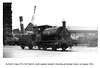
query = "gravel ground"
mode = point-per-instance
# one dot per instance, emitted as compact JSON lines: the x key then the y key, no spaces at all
{"x":17,"y":52}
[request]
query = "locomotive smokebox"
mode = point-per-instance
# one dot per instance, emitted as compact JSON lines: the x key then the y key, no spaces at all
{"x":64,"y":23}
{"x":21,"y":24}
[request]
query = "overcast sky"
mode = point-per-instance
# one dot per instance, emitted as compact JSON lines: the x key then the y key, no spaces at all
{"x":52,"y":12}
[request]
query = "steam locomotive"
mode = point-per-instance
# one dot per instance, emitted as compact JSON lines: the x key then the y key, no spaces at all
{"x":48,"y":37}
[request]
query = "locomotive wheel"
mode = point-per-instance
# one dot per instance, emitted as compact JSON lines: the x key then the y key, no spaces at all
{"x":63,"y":48}
{"x":54,"y":48}
{"x":44,"y":48}
{"x":39,"y":47}
{"x":22,"y":47}
{"x":30,"y":47}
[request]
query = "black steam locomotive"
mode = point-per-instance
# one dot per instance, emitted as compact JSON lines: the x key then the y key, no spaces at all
{"x":48,"y":37}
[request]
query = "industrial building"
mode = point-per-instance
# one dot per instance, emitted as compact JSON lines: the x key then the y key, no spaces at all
{"x":7,"y":20}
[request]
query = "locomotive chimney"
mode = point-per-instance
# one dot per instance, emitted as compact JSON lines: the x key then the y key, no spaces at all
{"x":21,"y":25}
{"x":64,"y":23}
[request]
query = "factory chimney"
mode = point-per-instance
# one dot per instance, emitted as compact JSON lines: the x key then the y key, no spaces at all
{"x":64,"y":23}
{"x":21,"y":25}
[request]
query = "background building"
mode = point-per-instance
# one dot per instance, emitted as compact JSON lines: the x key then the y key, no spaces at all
{"x":7,"y":20}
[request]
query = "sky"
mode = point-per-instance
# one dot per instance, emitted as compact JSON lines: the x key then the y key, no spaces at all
{"x":52,"y":12}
